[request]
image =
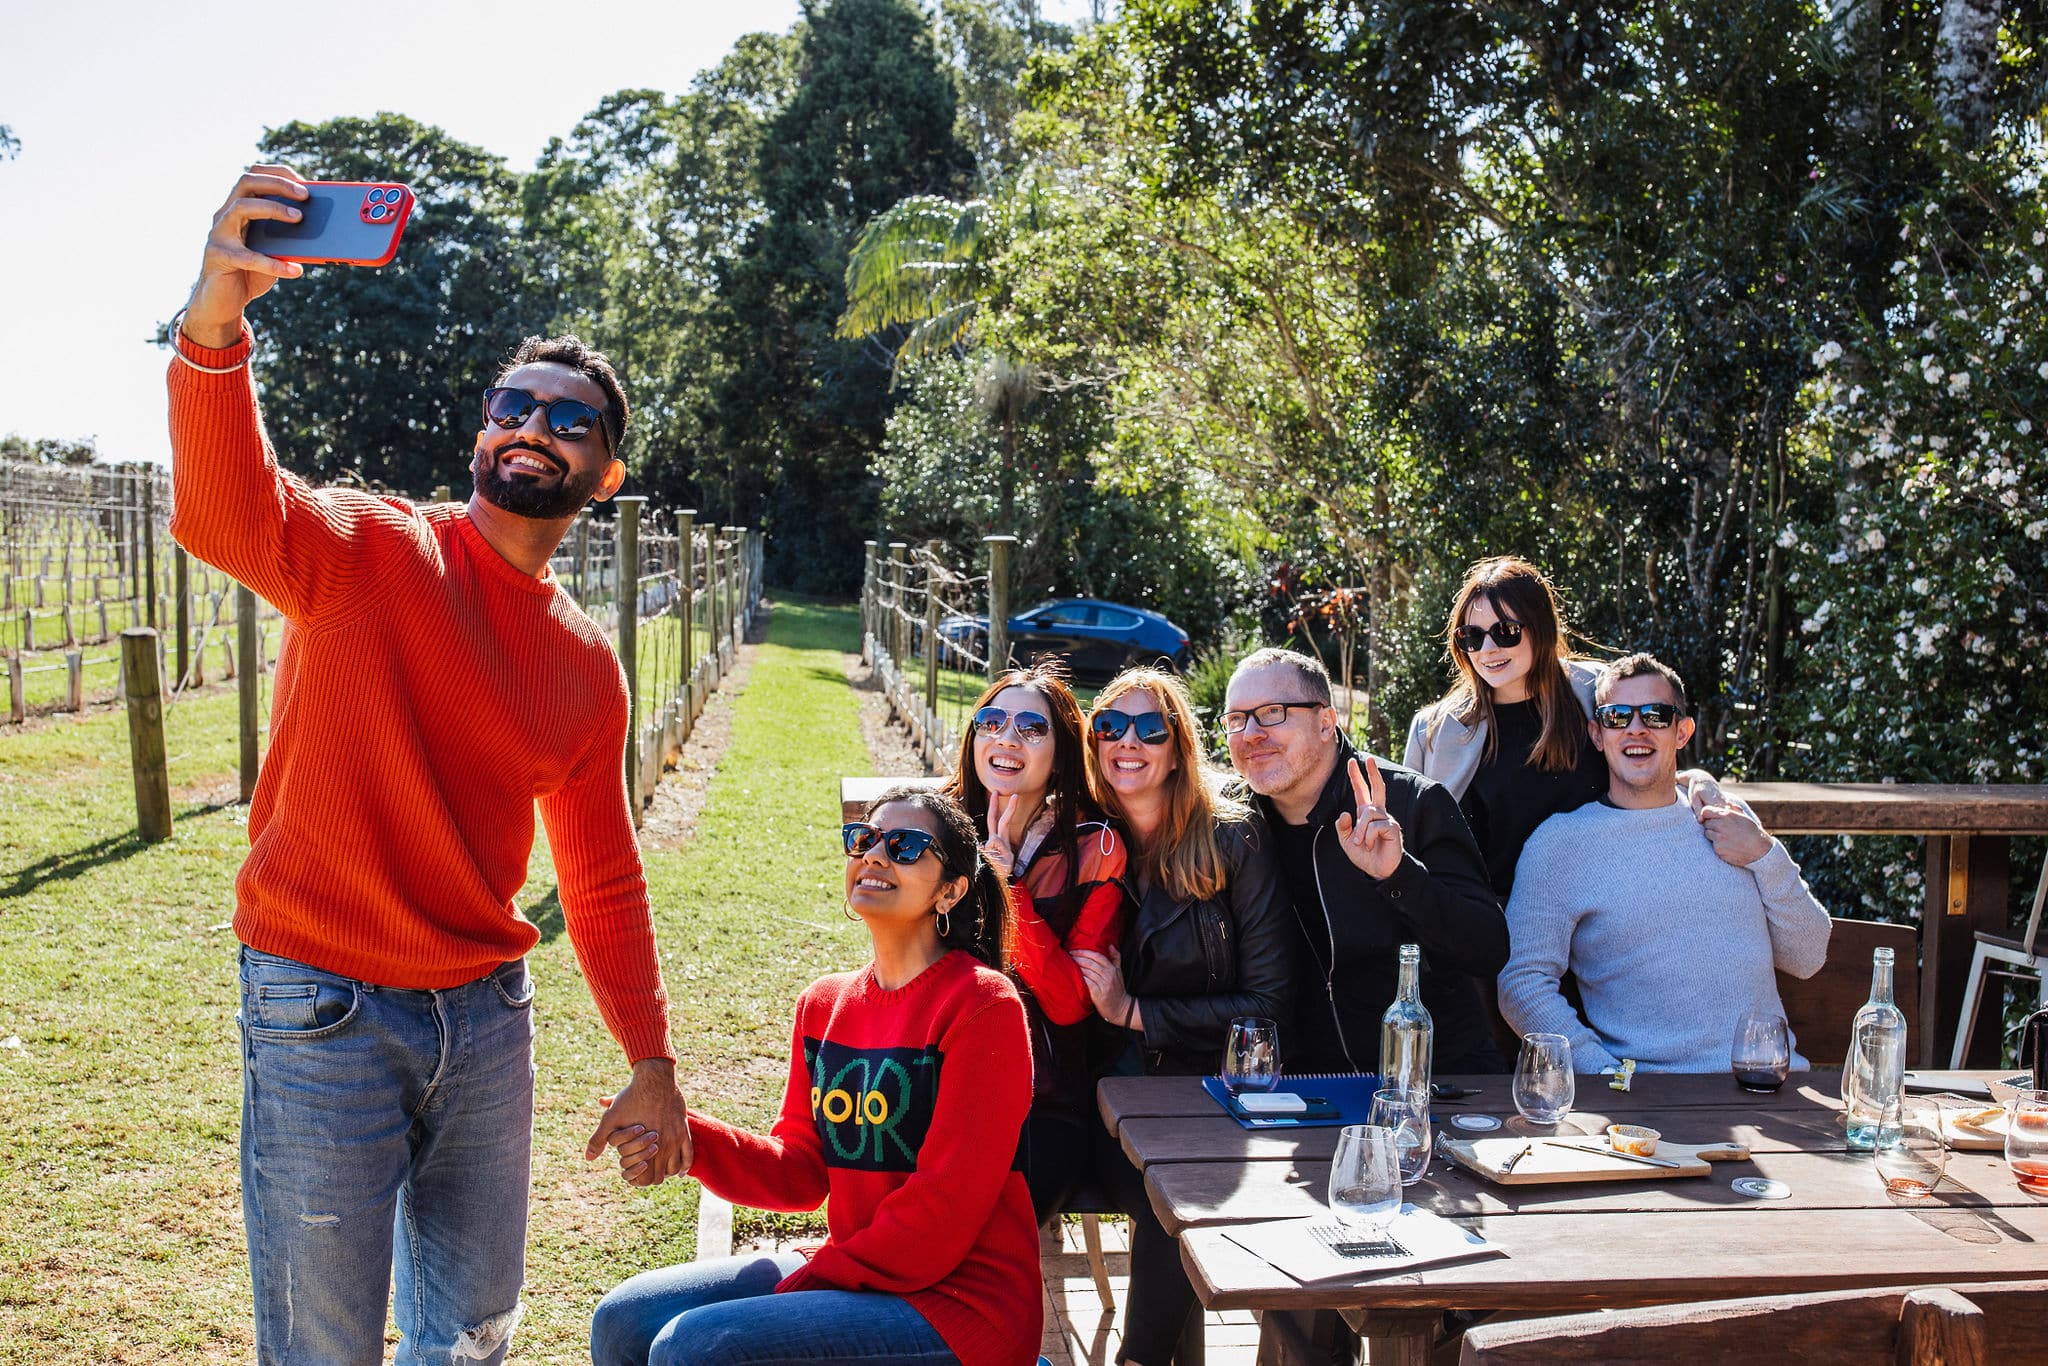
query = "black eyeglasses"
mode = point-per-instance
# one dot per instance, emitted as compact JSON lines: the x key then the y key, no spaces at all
{"x":902,"y":846}
{"x":1472,"y":639}
{"x":1656,"y":715}
{"x":569,"y":418}
{"x":1032,"y":728}
{"x":1150,"y":727}
{"x":1267,"y":714}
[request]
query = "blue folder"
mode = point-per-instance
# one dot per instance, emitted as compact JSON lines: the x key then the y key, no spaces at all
{"x":1333,"y":1098}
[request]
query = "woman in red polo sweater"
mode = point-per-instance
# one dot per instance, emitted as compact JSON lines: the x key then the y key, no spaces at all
{"x":908,"y":1085}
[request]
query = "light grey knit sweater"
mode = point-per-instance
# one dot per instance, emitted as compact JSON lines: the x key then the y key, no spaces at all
{"x":1670,"y":945}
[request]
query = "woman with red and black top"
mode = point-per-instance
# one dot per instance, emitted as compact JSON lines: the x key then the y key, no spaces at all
{"x":1022,"y":775}
{"x":908,"y":1085}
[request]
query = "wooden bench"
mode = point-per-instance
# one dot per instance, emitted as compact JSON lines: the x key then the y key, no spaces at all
{"x":1980,"y":1323}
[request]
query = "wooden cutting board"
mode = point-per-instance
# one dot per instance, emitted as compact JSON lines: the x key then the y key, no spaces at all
{"x":1985,"y":1136}
{"x":1552,"y":1162}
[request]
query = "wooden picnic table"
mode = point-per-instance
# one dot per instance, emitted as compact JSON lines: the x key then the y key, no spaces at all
{"x":1582,"y":1245}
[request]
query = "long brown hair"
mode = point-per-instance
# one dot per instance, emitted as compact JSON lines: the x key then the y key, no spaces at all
{"x":1068,"y":785}
{"x":980,"y":921}
{"x":1518,"y":591}
{"x":1183,"y":856}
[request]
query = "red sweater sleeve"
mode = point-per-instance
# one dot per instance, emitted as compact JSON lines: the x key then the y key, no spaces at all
{"x":922,"y":1230}
{"x":1040,"y":957}
{"x":604,"y":892}
{"x":236,"y":510}
{"x":783,"y":1169}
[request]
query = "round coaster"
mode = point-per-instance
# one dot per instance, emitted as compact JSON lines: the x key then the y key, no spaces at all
{"x":1476,"y":1123}
{"x":1760,"y":1188}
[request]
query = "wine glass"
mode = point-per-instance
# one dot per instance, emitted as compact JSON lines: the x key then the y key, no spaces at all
{"x":1762,"y":1054}
{"x":2026,"y":1139}
{"x":1910,"y":1155}
{"x":1365,"y":1179}
{"x":1251,"y":1055}
{"x":1407,"y":1114}
{"x":1544,"y":1088}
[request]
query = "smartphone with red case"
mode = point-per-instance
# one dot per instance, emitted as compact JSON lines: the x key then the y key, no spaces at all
{"x":344,"y":222}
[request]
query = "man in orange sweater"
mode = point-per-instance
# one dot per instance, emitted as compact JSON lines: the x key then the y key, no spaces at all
{"x":434,"y":683}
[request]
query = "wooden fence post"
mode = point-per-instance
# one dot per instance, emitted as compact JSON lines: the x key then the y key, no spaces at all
{"x":867,"y":603}
{"x":686,"y":567}
{"x":181,"y":584}
{"x":149,"y":541}
{"x":583,"y":559}
{"x":443,"y":494}
{"x":999,"y":548}
{"x":74,"y":671}
{"x":626,"y":590}
{"x":932,"y":551}
{"x":899,"y":582}
{"x":734,"y":610}
{"x":17,"y":691}
{"x":248,"y":672}
{"x":146,"y":748}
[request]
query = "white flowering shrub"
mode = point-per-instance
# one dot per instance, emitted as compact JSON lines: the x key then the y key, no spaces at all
{"x":1922,"y":595}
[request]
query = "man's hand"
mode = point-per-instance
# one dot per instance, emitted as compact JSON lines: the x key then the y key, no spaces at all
{"x":648,"y":1123}
{"x":1372,"y":838}
{"x":1738,"y":837}
{"x":1000,"y":850}
{"x":1104,"y":974}
{"x":232,"y":274}
{"x":1702,"y":792}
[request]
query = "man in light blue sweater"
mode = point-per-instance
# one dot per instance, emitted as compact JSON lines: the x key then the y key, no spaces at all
{"x":1673,"y":924}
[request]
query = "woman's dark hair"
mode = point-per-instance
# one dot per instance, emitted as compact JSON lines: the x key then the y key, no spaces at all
{"x":979,"y":921}
{"x":1068,"y":786}
{"x":1519,"y":592}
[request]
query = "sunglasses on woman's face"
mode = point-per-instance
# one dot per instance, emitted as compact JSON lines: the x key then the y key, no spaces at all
{"x":1656,"y":715}
{"x":1149,"y":727}
{"x":568,"y":418}
{"x":1472,"y":639}
{"x":1032,"y":728}
{"x":902,"y":846}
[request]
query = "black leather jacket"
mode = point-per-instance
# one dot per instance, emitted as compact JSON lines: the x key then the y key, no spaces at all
{"x":1197,"y":965}
{"x":1352,"y":928}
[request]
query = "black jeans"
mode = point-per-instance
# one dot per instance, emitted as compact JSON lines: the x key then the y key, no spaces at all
{"x":1160,"y":1299}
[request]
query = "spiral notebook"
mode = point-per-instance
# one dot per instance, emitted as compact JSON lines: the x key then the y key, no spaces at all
{"x":1327,"y":1098}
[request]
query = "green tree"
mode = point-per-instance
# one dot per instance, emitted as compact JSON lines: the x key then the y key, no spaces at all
{"x":801,"y":414}
{"x":377,"y":374}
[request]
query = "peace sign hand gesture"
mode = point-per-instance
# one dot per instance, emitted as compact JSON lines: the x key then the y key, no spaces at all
{"x":1371,"y":839}
{"x":1004,"y":817}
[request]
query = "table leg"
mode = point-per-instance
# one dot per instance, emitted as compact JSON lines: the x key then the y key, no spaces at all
{"x":1396,"y":1337}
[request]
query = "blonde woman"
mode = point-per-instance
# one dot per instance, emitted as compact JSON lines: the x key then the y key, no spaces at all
{"x":1212,"y":938}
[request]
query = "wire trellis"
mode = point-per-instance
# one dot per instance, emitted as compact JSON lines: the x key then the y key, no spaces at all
{"x":925,"y":625}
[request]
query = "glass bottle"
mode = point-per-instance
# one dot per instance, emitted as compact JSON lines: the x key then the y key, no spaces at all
{"x":1875,"y":1070}
{"x":1407,"y":1035}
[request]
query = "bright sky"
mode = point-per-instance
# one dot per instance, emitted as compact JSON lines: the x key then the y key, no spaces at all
{"x":135,"y":116}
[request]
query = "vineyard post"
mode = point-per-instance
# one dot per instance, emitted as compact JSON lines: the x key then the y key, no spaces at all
{"x":146,"y":747}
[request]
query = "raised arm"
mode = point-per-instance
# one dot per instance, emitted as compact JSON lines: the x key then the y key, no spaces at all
{"x":235,"y":508}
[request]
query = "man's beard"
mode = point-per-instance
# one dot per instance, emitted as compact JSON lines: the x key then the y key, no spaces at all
{"x":533,"y":498}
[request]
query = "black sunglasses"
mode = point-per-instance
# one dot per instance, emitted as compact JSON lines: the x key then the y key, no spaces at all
{"x":1269,"y":715}
{"x":1656,"y":715}
{"x":1032,"y":728}
{"x":1472,"y":639}
{"x":569,"y":418}
{"x":902,"y":846}
{"x":1150,"y":727}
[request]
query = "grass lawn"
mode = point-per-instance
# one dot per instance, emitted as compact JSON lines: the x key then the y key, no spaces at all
{"x":121,"y":1239}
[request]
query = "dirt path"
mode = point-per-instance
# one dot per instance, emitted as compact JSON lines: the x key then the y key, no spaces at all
{"x":889,"y":745}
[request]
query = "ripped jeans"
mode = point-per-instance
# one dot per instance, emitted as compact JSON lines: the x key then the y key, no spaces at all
{"x":384,"y":1130}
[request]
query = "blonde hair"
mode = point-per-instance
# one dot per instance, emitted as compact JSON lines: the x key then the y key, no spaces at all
{"x":1183,"y":856}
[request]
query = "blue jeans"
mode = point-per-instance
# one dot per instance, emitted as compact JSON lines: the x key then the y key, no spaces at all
{"x":726,"y":1313}
{"x":382,"y":1130}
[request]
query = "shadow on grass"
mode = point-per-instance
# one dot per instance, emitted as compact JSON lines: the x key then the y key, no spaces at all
{"x":72,"y":863}
{"x":546,"y":915}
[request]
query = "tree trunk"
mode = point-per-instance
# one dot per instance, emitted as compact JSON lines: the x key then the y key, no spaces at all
{"x":1966,"y":51}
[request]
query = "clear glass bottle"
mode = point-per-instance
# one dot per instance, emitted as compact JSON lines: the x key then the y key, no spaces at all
{"x":1407,"y":1034}
{"x":1875,"y":1070}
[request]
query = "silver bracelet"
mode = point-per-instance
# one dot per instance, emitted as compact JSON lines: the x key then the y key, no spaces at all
{"x":179,"y":351}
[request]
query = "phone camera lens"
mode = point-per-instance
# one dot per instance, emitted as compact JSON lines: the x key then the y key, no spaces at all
{"x":377,"y":211}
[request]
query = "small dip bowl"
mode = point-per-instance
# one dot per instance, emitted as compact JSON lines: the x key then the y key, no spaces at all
{"x":1633,"y":1138}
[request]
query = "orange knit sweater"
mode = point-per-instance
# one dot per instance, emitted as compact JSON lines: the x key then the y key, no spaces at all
{"x":427,"y":695}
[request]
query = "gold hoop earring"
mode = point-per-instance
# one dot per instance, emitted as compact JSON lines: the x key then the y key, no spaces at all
{"x":846,"y":909}
{"x":945,"y":921}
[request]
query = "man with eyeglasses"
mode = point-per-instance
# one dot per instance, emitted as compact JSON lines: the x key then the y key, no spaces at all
{"x":1375,"y":856}
{"x":1675,"y":925}
{"x":435,"y":681}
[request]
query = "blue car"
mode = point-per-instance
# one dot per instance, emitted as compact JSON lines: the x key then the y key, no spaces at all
{"x":1096,"y":638}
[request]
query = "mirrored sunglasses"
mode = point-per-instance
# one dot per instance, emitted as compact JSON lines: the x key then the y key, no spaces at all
{"x":1151,"y":727}
{"x":568,"y":418}
{"x":902,"y":846}
{"x":1032,"y":728}
{"x":1656,"y":715}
